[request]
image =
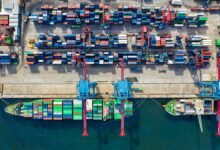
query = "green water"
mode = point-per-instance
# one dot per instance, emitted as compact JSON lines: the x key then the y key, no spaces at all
{"x":151,"y":128}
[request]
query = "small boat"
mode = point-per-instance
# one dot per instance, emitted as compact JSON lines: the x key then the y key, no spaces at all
{"x":179,"y":107}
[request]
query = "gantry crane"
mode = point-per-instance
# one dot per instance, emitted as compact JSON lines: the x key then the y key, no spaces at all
{"x":85,"y":90}
{"x":122,"y":91}
{"x":218,"y":103}
{"x":218,"y":117}
{"x":209,"y":89}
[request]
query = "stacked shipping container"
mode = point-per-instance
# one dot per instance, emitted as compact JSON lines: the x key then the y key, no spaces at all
{"x":67,"y":109}
{"x":77,"y":110}
{"x":59,"y":109}
{"x":97,"y":109}
{"x":27,"y":110}
{"x":198,"y":41}
{"x":47,"y":109}
{"x":7,"y":59}
{"x":103,"y":58}
{"x":77,"y":14}
{"x":37,"y":109}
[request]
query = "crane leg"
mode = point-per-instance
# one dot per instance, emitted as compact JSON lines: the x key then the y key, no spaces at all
{"x":85,"y":133}
{"x":218,"y":117}
{"x":122,"y":120}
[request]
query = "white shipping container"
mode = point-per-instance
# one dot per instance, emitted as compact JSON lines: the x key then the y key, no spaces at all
{"x":170,"y":62}
{"x":193,"y":26}
{"x":196,"y":36}
{"x":89,"y":105}
{"x":169,"y":45}
{"x":133,"y":56}
{"x":41,"y":60}
{"x":90,"y":63}
{"x":206,"y":40}
{"x":178,"y":25}
{"x":101,"y":61}
{"x":56,"y":62}
{"x":76,"y":101}
{"x":122,"y":42}
{"x":132,"y":63}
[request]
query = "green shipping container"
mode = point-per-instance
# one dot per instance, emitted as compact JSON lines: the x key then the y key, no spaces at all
{"x":217,"y":43}
{"x":203,"y":18}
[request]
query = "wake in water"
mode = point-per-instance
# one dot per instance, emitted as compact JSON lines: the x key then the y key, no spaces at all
{"x":4,"y":101}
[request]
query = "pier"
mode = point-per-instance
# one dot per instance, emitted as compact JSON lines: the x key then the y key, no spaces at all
{"x":104,"y":90}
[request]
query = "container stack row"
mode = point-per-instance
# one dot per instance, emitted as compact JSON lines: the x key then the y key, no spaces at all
{"x":199,"y":58}
{"x":108,"y":108}
{"x":68,"y":109}
{"x":97,"y":109}
{"x":179,"y":58}
{"x":198,"y":41}
{"x":206,"y":9}
{"x":197,"y":20}
{"x":9,"y":58}
{"x":128,"y":108}
{"x":156,"y":58}
{"x":89,"y":109}
{"x":57,"y":109}
{"x":117,"y":109}
{"x":27,"y":110}
{"x":47,"y":109}
{"x":95,"y":41}
{"x":160,"y":41}
{"x":104,"y":58}
{"x":77,"y":110}
{"x":37,"y":109}
{"x":48,"y":58}
{"x":94,"y":14}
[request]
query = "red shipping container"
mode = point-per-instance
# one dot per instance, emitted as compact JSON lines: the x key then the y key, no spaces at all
{"x":162,"y":42}
{"x":107,"y":17}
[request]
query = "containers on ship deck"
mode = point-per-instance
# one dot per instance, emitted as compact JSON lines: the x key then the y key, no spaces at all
{"x":47,"y":109}
{"x":77,"y":110}
{"x":108,"y":109}
{"x":117,"y":107}
{"x":89,"y":109}
{"x":63,"y":109}
{"x":27,"y":110}
{"x":128,"y":108}
{"x":57,"y":109}
{"x":97,"y":109}
{"x":67,"y":109}
{"x":37,"y":109}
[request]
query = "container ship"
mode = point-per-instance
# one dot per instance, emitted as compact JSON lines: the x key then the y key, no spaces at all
{"x":178,"y":107}
{"x":71,"y":109}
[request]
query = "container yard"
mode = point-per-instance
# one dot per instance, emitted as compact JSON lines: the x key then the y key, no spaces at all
{"x":91,"y":62}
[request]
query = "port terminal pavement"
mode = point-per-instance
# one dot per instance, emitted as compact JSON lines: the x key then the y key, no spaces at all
{"x":151,"y":84}
{"x":25,"y":81}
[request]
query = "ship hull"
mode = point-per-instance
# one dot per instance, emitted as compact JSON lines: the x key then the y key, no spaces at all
{"x":187,"y":107}
{"x":69,"y":109}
